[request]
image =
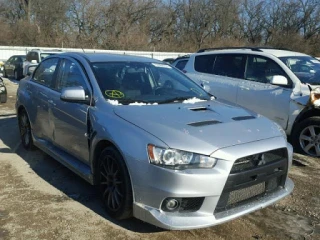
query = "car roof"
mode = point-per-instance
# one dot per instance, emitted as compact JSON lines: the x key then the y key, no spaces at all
{"x":252,"y":50}
{"x":107,"y":57}
{"x":18,"y":55}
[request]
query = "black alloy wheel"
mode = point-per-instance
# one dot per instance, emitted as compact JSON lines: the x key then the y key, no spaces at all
{"x":25,"y":130}
{"x":115,"y":184}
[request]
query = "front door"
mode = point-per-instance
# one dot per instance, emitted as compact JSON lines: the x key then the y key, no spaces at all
{"x":256,"y":92}
{"x":70,"y":119}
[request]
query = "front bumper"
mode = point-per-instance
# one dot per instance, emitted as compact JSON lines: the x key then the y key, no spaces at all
{"x":211,"y":184}
{"x":201,"y":220}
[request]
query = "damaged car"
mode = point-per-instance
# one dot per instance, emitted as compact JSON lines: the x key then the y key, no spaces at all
{"x":157,"y":145}
{"x":280,"y":84}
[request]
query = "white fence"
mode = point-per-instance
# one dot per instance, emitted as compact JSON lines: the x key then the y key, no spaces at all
{"x":8,"y":51}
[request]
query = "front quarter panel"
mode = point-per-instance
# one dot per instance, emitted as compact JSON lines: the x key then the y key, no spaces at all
{"x":130,"y":140}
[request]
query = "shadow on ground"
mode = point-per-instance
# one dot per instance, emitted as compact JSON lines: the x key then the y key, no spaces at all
{"x":61,"y":177}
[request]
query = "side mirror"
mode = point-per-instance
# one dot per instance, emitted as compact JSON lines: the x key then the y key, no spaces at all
{"x":75,"y":95}
{"x":279,"y":80}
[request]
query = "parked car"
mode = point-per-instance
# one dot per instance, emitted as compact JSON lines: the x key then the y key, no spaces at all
{"x":180,"y":62}
{"x":168,"y":60}
{"x":35,"y":56}
{"x":280,"y":84}
{"x":159,"y":147}
{"x":3,"y":92}
{"x":13,"y":67}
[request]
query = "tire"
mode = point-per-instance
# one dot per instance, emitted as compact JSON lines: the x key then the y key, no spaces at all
{"x":25,"y":130}
{"x":5,"y":73}
{"x":3,"y":98}
{"x":306,"y":137}
{"x":15,"y":74}
{"x":115,"y":184}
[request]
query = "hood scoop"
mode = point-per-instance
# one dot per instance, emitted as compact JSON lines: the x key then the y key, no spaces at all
{"x":204,"y":123}
{"x":199,"y":109}
{"x":243,"y":118}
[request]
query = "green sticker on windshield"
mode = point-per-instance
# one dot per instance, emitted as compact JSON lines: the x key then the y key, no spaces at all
{"x":114,"y":94}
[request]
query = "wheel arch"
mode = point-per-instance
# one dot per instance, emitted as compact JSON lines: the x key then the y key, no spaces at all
{"x":98,"y":148}
{"x":306,"y":113}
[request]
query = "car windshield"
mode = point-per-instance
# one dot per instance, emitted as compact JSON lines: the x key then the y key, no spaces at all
{"x":130,"y":82}
{"x":306,"y":68}
{"x":44,"y":55}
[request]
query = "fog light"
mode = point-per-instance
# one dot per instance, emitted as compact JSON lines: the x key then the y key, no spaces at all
{"x":170,"y":205}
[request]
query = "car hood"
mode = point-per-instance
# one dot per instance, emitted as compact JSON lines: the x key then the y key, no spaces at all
{"x":202,"y":127}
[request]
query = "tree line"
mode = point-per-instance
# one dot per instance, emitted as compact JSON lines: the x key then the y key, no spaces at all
{"x":161,"y":25}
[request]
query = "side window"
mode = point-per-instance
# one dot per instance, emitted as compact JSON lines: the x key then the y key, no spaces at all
{"x":261,"y":69}
{"x":9,"y":60}
{"x":230,"y":65}
{"x":181,"y":64}
{"x":44,"y":74}
{"x":70,"y":76}
{"x":204,"y":63}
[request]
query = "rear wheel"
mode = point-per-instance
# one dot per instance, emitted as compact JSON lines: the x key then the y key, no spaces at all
{"x":5,"y":73}
{"x":306,"y":137}
{"x":16,"y":76}
{"x":3,"y":98}
{"x":115,"y":184}
{"x":25,"y":130}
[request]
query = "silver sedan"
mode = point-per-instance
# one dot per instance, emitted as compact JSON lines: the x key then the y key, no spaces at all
{"x":159,"y":147}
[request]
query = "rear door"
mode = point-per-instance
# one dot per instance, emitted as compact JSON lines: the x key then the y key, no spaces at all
{"x":222,"y":72}
{"x":70,"y":119}
{"x":256,"y":92}
{"x":39,"y":88}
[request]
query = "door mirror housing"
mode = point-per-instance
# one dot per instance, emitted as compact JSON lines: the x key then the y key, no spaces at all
{"x":279,"y":80}
{"x":75,"y":95}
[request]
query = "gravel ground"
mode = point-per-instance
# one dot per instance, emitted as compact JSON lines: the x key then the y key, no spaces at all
{"x":41,"y":199}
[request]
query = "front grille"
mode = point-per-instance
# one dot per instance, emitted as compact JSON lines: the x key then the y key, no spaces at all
{"x":252,"y":161}
{"x":253,"y":177}
{"x":246,"y":193}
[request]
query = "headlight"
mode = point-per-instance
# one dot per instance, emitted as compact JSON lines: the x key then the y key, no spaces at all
{"x":2,"y":89}
{"x":178,"y":159}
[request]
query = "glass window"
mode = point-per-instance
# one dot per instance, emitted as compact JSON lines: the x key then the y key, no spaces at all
{"x":45,"y":72}
{"x":306,"y":68}
{"x":230,"y":65}
{"x":181,"y":64}
{"x":130,"y":82}
{"x":261,"y":69}
{"x":44,"y":55}
{"x":204,"y":63}
{"x":70,"y":75}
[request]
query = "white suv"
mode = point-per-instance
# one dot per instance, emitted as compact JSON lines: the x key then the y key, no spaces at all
{"x":280,"y":84}
{"x":35,"y":56}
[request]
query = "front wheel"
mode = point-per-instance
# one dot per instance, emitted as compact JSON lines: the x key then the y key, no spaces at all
{"x":25,"y":130}
{"x":115,"y":185}
{"x":306,"y":137}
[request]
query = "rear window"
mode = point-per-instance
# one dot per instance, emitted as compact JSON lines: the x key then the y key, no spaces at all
{"x":204,"y":63}
{"x":181,"y":64}
{"x":230,"y":65}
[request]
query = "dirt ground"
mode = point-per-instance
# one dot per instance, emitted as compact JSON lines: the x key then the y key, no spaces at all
{"x":41,"y":199}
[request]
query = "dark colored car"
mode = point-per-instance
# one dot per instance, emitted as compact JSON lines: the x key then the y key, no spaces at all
{"x":14,"y":67}
{"x":3,"y":92}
